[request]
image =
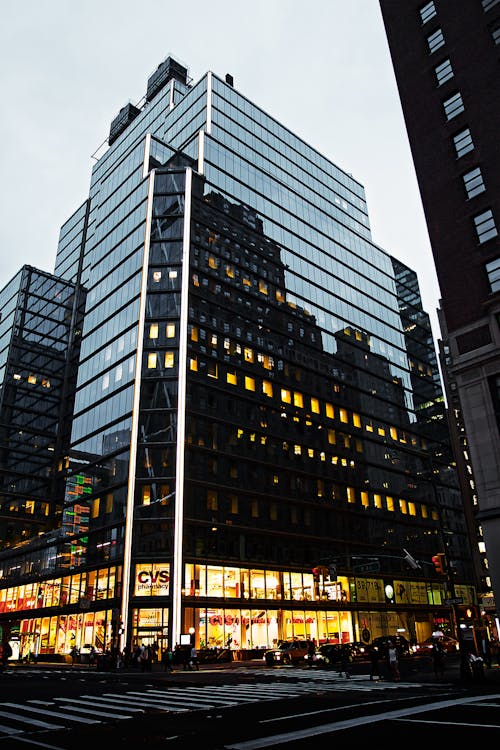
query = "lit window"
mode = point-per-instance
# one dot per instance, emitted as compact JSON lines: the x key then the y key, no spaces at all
{"x":315,"y":405}
{"x":298,"y":399}
{"x":169,"y":359}
{"x":493,"y":273}
{"x":151,"y":360}
{"x":153,"y":331}
{"x":248,"y":355}
{"x":463,"y":142}
{"x":331,"y":437}
{"x":427,"y":12}
{"x":230,"y":272}
{"x":170,"y":330}
{"x":249,"y":383}
{"x":412,"y":509}
{"x":262,"y":287}
{"x":193,"y":364}
{"x":231,"y":378}
{"x":156,"y":276}
{"x":381,"y":431}
{"x":473,"y":182}
{"x":213,"y":370}
{"x":377,"y":501}
{"x":344,"y":417}
{"x":329,"y":411}
{"x":435,"y":40}
{"x":356,"y":420}
{"x":172,"y":274}
{"x":365,"y":500}
{"x":485,"y":226}
{"x":45,"y":383}
{"x":280,"y":297}
{"x":351,"y":495}
{"x":403,"y":506}
{"x":390,"y":503}
{"x":212,"y":261}
{"x":194,"y":333}
{"x":423,"y":511}
{"x":267,"y":388}
{"x":394,"y":433}
{"x":443,"y":72}
{"x":32,"y":379}
{"x":453,"y":106}
{"x":286,"y":396}
{"x":297,"y":450}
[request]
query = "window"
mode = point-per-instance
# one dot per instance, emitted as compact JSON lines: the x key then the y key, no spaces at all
{"x":463,"y":142}
{"x":488,"y":4}
{"x":435,"y":40}
{"x":493,"y":273}
{"x":453,"y":106}
{"x":427,"y":12}
{"x":151,"y":360}
{"x":443,"y":72}
{"x":169,"y":360}
{"x":473,"y":182}
{"x":485,"y":226}
{"x":495,"y":32}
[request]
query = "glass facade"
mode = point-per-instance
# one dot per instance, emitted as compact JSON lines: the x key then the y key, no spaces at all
{"x":257,"y":394}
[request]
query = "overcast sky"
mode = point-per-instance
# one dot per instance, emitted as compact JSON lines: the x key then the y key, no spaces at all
{"x":321,"y":68}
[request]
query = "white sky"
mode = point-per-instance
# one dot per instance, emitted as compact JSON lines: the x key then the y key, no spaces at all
{"x":321,"y":68}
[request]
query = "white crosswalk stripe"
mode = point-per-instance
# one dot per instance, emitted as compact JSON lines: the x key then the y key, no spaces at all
{"x":63,"y":712}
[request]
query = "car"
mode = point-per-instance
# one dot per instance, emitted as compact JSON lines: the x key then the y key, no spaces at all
{"x":331,"y":655}
{"x":360,"y":650}
{"x":449,"y":644}
{"x":287,"y":652}
{"x":401,"y":643}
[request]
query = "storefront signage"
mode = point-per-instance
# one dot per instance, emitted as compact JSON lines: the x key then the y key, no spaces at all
{"x":152,"y":580}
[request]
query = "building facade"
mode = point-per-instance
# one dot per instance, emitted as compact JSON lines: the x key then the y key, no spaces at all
{"x":258,"y":449}
{"x":446,"y":66}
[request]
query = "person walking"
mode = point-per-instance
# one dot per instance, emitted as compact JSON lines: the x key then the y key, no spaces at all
{"x":438,"y":659}
{"x":194,"y":659}
{"x":375,"y":663}
{"x":167,"y":659}
{"x":344,"y":663}
{"x":393,"y":661}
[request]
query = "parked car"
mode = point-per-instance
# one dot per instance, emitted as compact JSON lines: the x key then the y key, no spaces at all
{"x":360,"y":650}
{"x":401,"y":643}
{"x":331,"y":655}
{"x":448,"y":643}
{"x":287,"y":652}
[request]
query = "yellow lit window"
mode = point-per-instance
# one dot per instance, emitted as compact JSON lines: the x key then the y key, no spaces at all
{"x":356,"y":420}
{"x":423,"y":511}
{"x":240,"y":432}
{"x":194,"y":333}
{"x":109,"y":503}
{"x":246,"y":282}
{"x":212,"y":500}
{"x":369,"y":428}
{"x":170,"y":330}
{"x":267,"y":388}
{"x":329,"y":411}
{"x":434,"y":515}
{"x":320,"y":488}
{"x":331,"y":437}
{"x":381,"y":431}
{"x":403,"y":506}
{"x":153,"y":331}
{"x":156,"y":276}
{"x":286,"y":396}
{"x":151,"y":360}
{"x":315,"y":405}
{"x":45,"y":383}
{"x":169,"y":360}
{"x":344,"y":417}
{"x":248,"y":353}
{"x":310,"y":452}
{"x":267,"y":362}
{"x":196,"y":281}
{"x":377,"y":501}
{"x":390,"y":503}
{"x":231,"y":378}
{"x":412,"y":511}
{"x":249,"y":383}
{"x":351,"y":495}
{"x":146,"y":494}
{"x":276,"y":479}
{"x":322,"y":456}
{"x":297,"y":450}
{"x":193,"y":364}
{"x":365,"y":500}
{"x":262,"y":287}
{"x":280,"y":297}
{"x":32,"y":379}
{"x":394,"y":433}
{"x":230,"y":272}
{"x":94,"y":512}
{"x":212,"y":261}
{"x":298,"y":399}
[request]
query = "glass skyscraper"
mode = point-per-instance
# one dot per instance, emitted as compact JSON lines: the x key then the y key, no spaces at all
{"x":258,"y":444}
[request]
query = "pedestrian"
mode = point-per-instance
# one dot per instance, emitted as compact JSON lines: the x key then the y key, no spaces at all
{"x":167,"y":659}
{"x":375,"y":662}
{"x":393,"y":661}
{"x":74,"y":653}
{"x":311,"y":653}
{"x":194,"y":659}
{"x":344,"y":663}
{"x":92,"y":657}
{"x":438,"y":658}
{"x":145,"y":658}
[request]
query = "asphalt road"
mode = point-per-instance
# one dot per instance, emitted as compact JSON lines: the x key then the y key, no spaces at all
{"x":242,"y":706}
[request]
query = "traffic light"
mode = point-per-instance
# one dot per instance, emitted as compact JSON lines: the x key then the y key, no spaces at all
{"x":439,"y":563}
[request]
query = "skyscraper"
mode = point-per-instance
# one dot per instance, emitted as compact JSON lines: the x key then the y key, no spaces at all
{"x":251,"y":456}
{"x":445,"y":58}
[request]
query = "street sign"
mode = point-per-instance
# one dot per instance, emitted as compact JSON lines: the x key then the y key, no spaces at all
{"x":372,"y":567}
{"x":456,"y":600}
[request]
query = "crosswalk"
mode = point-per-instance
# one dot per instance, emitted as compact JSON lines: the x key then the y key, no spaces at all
{"x":61,"y":712}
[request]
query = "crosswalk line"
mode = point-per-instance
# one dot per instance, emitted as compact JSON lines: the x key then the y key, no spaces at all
{"x":45,"y":712}
{"x":35,"y":722}
{"x":130,"y":709}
